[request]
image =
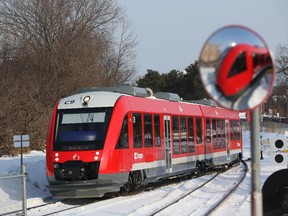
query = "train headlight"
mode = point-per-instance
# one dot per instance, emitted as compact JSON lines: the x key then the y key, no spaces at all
{"x":56,"y":165}
{"x":86,"y":99}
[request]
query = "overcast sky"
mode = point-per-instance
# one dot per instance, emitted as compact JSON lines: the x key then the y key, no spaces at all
{"x":171,"y":33}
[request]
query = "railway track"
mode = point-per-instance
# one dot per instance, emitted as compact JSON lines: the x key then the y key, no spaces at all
{"x":174,"y":193}
{"x":57,"y":203}
{"x":216,"y":202}
{"x":225,"y":197}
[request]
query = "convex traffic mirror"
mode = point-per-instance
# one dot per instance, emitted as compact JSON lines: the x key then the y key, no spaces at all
{"x":236,"y":68}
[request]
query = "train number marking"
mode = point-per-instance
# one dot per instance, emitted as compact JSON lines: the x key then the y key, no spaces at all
{"x":69,"y":102}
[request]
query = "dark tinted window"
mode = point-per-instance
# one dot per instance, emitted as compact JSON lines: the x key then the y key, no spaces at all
{"x":183,"y":134}
{"x":123,"y":138}
{"x":219,"y":133}
{"x":148,"y":130}
{"x":239,"y":65}
{"x":214,"y":132}
{"x":191,"y":134}
{"x":137,"y":130}
{"x":208,"y":130}
{"x":81,"y":129}
{"x":157,"y":130}
{"x":223,"y":134}
{"x":199,"y":130}
{"x":176,"y":140}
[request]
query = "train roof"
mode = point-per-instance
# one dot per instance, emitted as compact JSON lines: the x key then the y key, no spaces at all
{"x":109,"y":95}
{"x":135,"y":91}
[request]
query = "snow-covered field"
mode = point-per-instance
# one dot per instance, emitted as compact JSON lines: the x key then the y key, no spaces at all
{"x":10,"y":190}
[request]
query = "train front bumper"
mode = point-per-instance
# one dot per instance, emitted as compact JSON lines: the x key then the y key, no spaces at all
{"x":81,"y":190}
{"x":87,"y":189}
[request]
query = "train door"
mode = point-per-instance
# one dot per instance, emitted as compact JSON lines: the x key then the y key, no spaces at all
{"x":227,"y":139}
{"x":167,"y":141}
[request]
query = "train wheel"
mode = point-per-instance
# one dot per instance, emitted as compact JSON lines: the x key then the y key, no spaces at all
{"x":124,"y":190}
{"x":201,"y":166}
{"x":134,"y":181}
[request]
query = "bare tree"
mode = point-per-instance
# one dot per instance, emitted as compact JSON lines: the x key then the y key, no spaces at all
{"x":120,"y":65}
{"x":282,"y":64}
{"x":52,"y":48}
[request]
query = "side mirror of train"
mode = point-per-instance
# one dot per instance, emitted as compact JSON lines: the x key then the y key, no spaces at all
{"x":236,"y":68}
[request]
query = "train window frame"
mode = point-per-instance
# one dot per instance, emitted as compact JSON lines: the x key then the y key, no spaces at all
{"x":238,"y":130}
{"x":214,"y":132}
{"x":219,"y":134}
{"x":98,"y":143}
{"x":136,"y":121}
{"x":199,"y":130}
{"x":191,"y":139}
{"x":156,"y":130}
{"x":223,"y":134}
{"x":239,"y":66}
{"x":183,"y":134}
{"x":208,"y":133}
{"x":148,"y":130}
{"x":175,"y":131}
{"x":123,"y":142}
{"x":233,"y":129}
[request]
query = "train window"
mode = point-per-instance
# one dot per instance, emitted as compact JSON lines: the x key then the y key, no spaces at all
{"x":191,"y":134}
{"x":208,"y":130}
{"x":81,"y":129}
{"x":176,"y":141}
{"x":238,"y":129}
{"x":214,"y":131}
{"x":148,"y":130}
{"x":239,"y":65}
{"x":137,"y":130}
{"x":199,"y":130}
{"x":255,"y":59}
{"x":262,"y":59}
{"x":232,"y":130}
{"x":223,"y":134}
{"x":268,"y":59}
{"x":183,"y":134}
{"x":219,"y":133}
{"x":123,"y":137}
{"x":235,"y":130}
{"x":157,"y":130}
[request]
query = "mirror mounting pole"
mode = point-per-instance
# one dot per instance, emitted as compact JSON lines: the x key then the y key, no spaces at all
{"x":256,"y":194}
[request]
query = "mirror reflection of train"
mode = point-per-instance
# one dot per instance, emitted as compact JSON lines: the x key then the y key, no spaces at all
{"x":236,"y":68}
{"x":240,"y":67}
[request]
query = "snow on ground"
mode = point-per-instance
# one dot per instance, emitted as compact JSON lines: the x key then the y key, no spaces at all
{"x":10,"y":189}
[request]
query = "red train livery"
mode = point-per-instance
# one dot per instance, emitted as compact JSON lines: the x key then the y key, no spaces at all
{"x":103,"y":141}
{"x":242,"y":64}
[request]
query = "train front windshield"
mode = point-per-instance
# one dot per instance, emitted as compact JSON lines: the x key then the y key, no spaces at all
{"x":81,"y":129}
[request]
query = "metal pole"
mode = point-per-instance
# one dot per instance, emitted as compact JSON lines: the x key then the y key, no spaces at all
{"x":24,"y":198}
{"x":256,"y":194}
{"x":21,"y":152}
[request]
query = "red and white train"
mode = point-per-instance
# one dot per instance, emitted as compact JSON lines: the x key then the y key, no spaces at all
{"x":115,"y":139}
